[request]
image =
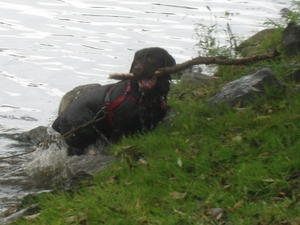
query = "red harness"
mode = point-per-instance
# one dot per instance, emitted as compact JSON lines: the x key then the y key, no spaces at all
{"x":110,"y":106}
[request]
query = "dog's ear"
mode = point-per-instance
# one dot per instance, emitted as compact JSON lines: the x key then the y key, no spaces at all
{"x":133,"y":62}
{"x":169,"y":60}
{"x":131,"y":68}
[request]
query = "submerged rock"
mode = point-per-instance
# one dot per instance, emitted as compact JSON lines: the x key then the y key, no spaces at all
{"x":34,"y":136}
{"x":245,"y":89}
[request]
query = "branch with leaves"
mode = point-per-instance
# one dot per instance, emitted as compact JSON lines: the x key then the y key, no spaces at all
{"x":202,"y":60}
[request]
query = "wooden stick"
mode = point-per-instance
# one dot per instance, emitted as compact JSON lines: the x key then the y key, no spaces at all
{"x":121,"y":76}
{"x":202,"y":60}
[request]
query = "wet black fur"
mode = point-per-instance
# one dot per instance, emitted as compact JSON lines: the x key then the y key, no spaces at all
{"x":127,"y":116}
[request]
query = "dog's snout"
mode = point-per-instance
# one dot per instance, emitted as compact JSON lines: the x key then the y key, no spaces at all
{"x":138,"y":69}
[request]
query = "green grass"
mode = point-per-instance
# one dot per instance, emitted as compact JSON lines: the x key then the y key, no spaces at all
{"x":243,"y":163}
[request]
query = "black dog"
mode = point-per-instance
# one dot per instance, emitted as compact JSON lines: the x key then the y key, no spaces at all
{"x":123,"y":108}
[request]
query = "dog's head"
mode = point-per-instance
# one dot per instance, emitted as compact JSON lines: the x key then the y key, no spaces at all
{"x":146,"y":61}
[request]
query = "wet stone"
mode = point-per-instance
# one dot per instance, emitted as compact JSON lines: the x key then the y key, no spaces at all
{"x":245,"y":89}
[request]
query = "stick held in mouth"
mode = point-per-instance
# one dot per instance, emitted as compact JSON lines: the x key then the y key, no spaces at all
{"x":202,"y":60}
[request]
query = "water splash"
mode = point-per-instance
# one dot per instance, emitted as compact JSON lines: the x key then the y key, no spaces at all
{"x":47,"y":167}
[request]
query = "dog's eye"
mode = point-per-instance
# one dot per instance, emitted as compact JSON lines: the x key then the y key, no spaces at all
{"x":151,"y":59}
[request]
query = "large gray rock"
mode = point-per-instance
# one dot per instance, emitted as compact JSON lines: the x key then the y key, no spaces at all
{"x":291,"y":39}
{"x":245,"y":89}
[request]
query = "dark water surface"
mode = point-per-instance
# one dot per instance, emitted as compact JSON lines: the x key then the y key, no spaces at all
{"x":47,"y":47}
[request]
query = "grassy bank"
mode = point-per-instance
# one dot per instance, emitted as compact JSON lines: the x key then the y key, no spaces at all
{"x":205,"y":166}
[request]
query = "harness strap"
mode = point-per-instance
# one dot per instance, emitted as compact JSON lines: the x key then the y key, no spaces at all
{"x":110,"y":106}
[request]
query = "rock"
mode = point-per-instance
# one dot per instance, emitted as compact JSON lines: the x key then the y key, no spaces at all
{"x":292,"y":77}
{"x":35,"y":136}
{"x":285,"y":12}
{"x":197,"y":79}
{"x":193,"y":69}
{"x":252,"y":46}
{"x":245,"y":89}
{"x":291,"y":39}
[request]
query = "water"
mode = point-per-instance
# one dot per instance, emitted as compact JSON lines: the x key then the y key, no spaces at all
{"x":47,"y":47}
